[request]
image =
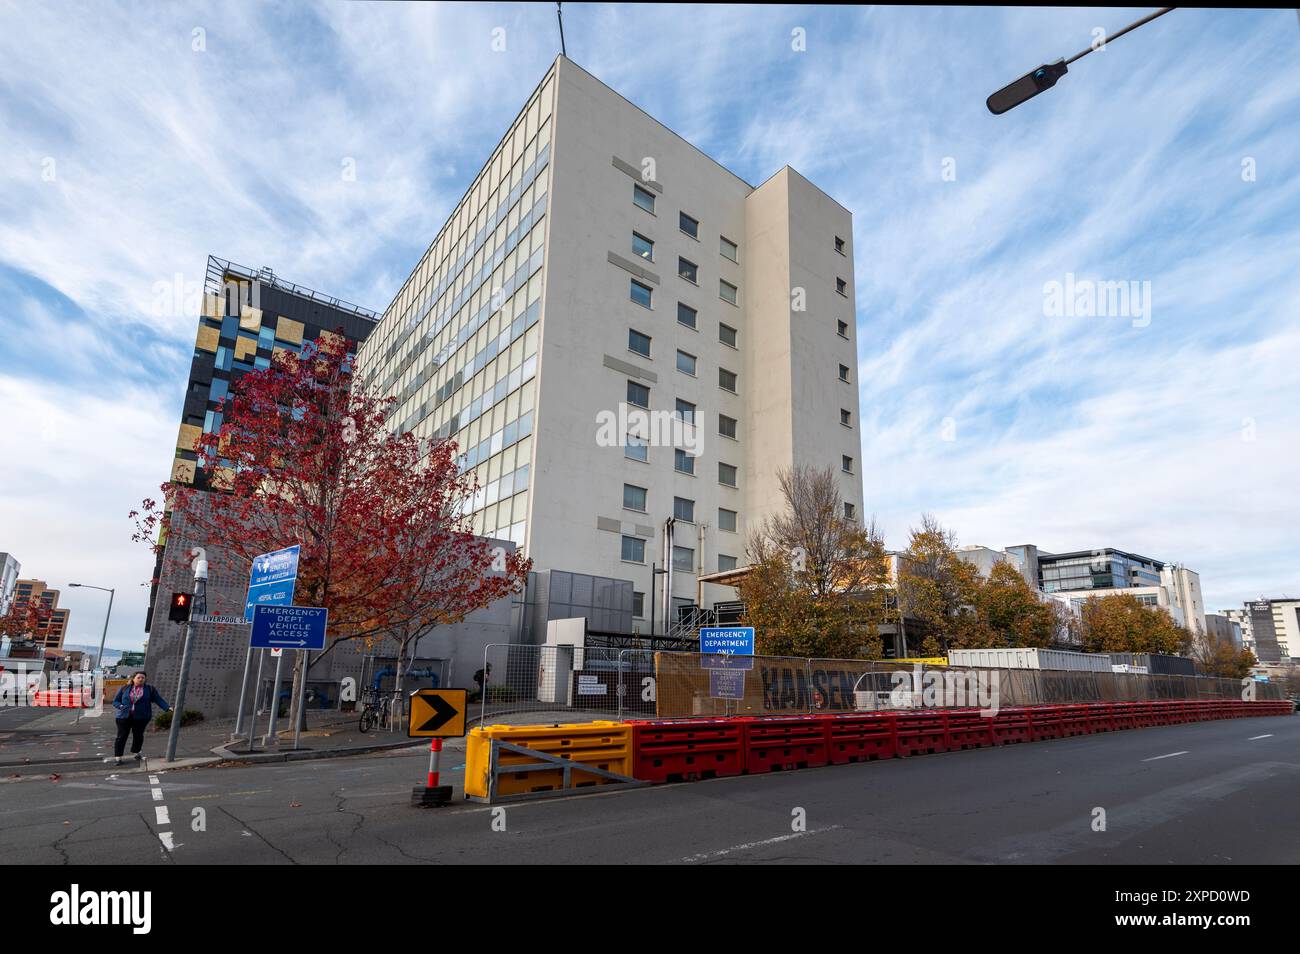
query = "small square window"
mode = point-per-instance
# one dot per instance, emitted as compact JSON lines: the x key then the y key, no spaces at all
{"x":636,"y":449}
{"x":683,"y":462}
{"x":686,"y":363}
{"x":638,"y":394}
{"x":641,"y":294}
{"x":727,"y":520}
{"x":727,"y":426}
{"x":846,"y":418}
{"x":841,"y":286}
{"x":727,"y":292}
{"x":686,"y":315}
{"x":688,"y":270}
{"x":644,"y":198}
{"x":729,"y":249}
{"x":686,"y":411}
{"x":684,"y":509}
{"x":688,"y":225}
{"x":726,"y":563}
{"x":727,"y":335}
{"x":839,"y":245}
{"x":684,"y":559}
{"x":846,"y":463}
{"x":633,"y":550}
{"x":727,"y":380}
{"x":638,"y":342}
{"x":727,"y":474}
{"x":634,"y":498}
{"x":842,"y":328}
{"x":643,"y":247}
{"x":844,"y":373}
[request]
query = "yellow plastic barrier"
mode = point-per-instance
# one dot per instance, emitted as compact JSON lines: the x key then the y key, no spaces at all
{"x":111,"y":686}
{"x":601,"y":745}
{"x":924,"y":661}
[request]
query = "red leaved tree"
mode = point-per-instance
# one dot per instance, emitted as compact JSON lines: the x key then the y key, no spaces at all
{"x":304,"y":457}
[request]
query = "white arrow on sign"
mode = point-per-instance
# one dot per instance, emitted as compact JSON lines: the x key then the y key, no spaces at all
{"x":289,"y":642}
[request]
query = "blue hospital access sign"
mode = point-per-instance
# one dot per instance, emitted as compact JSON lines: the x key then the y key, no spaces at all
{"x":295,"y":627}
{"x":271,"y":579}
{"x":721,"y":642}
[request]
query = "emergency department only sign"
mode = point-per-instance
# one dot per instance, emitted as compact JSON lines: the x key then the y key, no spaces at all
{"x":719,"y":641}
{"x":295,"y":627}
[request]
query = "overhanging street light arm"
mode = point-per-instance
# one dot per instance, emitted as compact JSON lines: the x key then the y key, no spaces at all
{"x":1115,"y":36}
{"x":1045,"y":76}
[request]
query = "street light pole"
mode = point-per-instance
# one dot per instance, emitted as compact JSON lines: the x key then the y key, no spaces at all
{"x":200,"y":566}
{"x":99,"y":660}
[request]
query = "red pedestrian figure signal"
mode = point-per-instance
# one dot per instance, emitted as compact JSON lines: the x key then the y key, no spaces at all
{"x":180,"y":609}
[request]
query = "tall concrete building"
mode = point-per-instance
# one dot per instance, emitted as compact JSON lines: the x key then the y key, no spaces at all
{"x":628,"y":342}
{"x":1270,"y":628}
{"x":9,"y":570}
{"x":54,"y":626}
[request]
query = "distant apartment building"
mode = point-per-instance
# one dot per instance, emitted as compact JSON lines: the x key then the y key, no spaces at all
{"x":1270,"y":628}
{"x":1221,"y":626}
{"x":9,"y":570}
{"x":628,"y":342}
{"x":54,"y":625}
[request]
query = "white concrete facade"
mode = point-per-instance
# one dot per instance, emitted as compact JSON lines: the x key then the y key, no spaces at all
{"x":528,"y":354}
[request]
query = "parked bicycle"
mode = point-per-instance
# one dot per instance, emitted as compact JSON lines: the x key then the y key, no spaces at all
{"x":376,"y":712}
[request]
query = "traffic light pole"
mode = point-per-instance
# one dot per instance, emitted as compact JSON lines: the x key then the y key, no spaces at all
{"x":200,"y":566}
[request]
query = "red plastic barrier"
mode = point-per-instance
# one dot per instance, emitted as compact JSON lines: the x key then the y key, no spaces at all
{"x":1049,"y":722}
{"x":774,"y":743}
{"x":681,"y":750}
{"x":1013,"y":725}
{"x":1099,"y":716}
{"x":63,"y":698}
{"x":968,"y":729}
{"x":861,"y":737}
{"x":921,"y":733}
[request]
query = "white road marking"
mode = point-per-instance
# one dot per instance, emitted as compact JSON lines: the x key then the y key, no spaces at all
{"x":153,"y":780}
{"x":756,"y":844}
{"x":157,"y":794}
{"x":160,"y":813}
{"x":166,"y":838}
{"x":1254,"y":737}
{"x":1156,"y":758}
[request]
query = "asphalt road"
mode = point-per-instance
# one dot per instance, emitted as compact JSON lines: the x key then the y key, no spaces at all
{"x":1203,"y":793}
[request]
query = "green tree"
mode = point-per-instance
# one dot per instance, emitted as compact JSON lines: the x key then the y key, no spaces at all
{"x":818,"y":580}
{"x":936,"y":589}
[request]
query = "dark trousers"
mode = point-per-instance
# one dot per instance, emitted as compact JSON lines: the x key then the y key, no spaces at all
{"x":134,"y":728}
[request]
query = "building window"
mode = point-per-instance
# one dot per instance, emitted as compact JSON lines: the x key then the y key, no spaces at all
{"x":727,"y":520}
{"x":219,"y":389}
{"x":643,"y":247}
{"x":633,"y":550}
{"x":729,"y":249}
{"x":846,"y":418}
{"x":727,"y":380}
{"x":727,"y":292}
{"x":640,"y":293}
{"x":638,"y":604}
{"x":688,"y":270}
{"x":842,"y":328}
{"x":846,"y":463}
{"x":844,"y":373}
{"x":638,"y":342}
{"x":684,"y":509}
{"x":636,"y":449}
{"x":633,"y":498}
{"x":849,"y":511}
{"x":726,"y":475}
{"x":726,"y":563}
{"x":686,"y":315}
{"x":842,"y":286}
{"x":727,"y":426}
{"x":688,"y":225}
{"x":686,"y":363}
{"x":684,"y":559}
{"x":683,"y":462}
{"x":727,"y":335}
{"x":644,"y":198}
{"x":839,"y":245}
{"x":686,"y":411}
{"x":638,"y":394}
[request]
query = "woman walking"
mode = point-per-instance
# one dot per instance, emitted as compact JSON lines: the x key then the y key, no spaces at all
{"x":134,"y":707}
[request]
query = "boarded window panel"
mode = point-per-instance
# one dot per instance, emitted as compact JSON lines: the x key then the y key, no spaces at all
{"x":250,"y":318}
{"x":207,"y":338}
{"x":245,"y":348}
{"x":183,"y":471}
{"x":286,"y":329}
{"x":187,"y":436}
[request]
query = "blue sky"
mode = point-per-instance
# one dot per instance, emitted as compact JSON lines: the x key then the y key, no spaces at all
{"x":135,"y":146}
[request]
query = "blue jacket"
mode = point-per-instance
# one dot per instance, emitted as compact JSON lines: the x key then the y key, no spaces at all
{"x":143,"y":709}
